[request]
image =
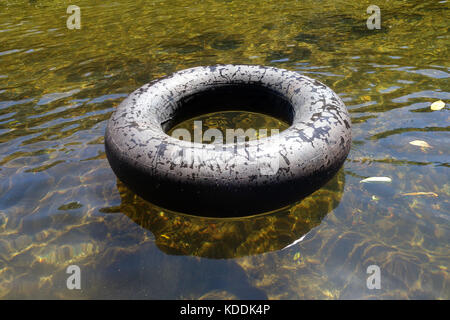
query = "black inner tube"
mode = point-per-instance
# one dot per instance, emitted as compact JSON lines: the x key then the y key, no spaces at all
{"x":260,"y":175}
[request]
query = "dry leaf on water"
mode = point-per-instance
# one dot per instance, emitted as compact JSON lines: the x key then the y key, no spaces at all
{"x":437,"y":105}
{"x":430,"y":194}
{"x":420,"y":143}
{"x":376,"y":179}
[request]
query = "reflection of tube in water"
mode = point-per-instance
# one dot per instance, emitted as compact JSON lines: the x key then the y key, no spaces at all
{"x":221,"y":238}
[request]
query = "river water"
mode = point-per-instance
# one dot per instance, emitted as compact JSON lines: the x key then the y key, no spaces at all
{"x":61,"y":204}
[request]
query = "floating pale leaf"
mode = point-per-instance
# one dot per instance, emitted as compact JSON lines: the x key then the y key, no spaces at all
{"x":376,"y":179}
{"x":430,"y":194}
{"x":437,"y":105}
{"x":420,"y":143}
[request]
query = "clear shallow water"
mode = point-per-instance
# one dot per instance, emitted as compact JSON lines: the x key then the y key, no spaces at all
{"x":60,"y":203}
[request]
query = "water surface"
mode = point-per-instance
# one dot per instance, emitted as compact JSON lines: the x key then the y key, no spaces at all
{"x":60,"y":203}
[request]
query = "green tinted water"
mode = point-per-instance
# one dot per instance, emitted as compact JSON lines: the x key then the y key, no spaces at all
{"x":60,"y":203}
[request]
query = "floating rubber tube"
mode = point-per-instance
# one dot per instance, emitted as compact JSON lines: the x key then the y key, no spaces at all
{"x":235,"y":179}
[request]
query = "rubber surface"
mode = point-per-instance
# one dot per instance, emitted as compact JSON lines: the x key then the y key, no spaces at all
{"x":233,"y":179}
